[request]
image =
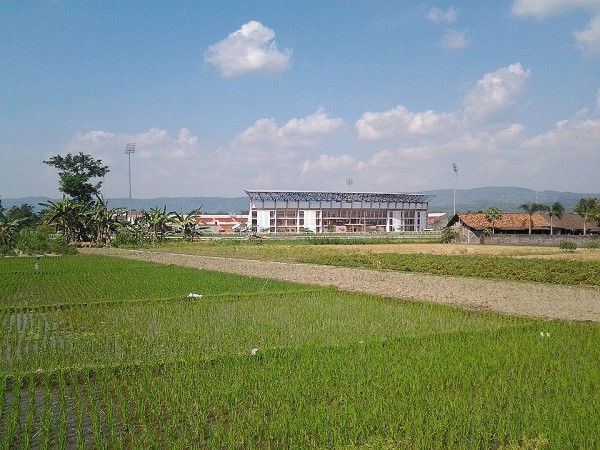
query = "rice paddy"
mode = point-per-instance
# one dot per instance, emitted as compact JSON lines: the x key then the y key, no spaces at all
{"x":97,"y":352}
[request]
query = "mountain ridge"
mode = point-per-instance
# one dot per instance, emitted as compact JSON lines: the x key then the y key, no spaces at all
{"x":507,"y":198}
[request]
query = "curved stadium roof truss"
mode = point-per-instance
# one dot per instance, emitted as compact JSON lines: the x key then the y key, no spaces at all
{"x":335,"y":197}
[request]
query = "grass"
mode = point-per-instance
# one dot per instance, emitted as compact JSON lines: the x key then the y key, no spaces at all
{"x":109,"y":353}
{"x":512,"y":268}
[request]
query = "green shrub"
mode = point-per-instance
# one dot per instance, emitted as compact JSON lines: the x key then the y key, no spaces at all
{"x":36,"y":242}
{"x":6,"y":250}
{"x":128,"y":239}
{"x":449,"y":235}
{"x":593,"y":244}
{"x":568,"y":246}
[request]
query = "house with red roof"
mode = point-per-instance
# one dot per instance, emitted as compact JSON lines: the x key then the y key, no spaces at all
{"x":472,"y":227}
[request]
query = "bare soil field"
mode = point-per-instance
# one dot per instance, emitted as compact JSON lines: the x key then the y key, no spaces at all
{"x":581,"y":254}
{"x":515,"y":298}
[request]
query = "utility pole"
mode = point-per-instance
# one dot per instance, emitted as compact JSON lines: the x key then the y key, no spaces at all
{"x":129,"y":149}
{"x":455,"y":181}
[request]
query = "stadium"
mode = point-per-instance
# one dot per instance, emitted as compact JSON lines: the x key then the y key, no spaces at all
{"x":278,"y":211}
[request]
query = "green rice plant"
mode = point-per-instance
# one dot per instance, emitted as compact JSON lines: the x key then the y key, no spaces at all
{"x":282,"y":367}
{"x":47,"y":414}
{"x":569,"y":246}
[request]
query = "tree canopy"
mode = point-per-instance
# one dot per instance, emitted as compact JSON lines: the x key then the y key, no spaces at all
{"x":586,"y":208}
{"x":75,"y":172}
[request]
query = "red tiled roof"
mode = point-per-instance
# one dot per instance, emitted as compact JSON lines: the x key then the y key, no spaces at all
{"x":570,"y":222}
{"x":508,"y":221}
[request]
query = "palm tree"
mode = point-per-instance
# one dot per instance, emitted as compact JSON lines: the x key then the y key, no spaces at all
{"x":187,"y":223}
{"x":585,"y":208}
{"x":531,"y":210}
{"x":492,"y":214}
{"x":156,"y":220}
{"x":105,"y":221}
{"x":558,"y":210}
{"x":64,"y":215}
{"x":8,"y":229}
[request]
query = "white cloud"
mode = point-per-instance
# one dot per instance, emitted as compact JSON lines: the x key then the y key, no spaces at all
{"x":91,"y":139}
{"x":153,"y":145}
{"x":495,"y":92}
{"x":249,"y":49}
{"x":577,"y":137}
{"x":156,"y":144}
{"x":295,"y":133}
{"x":454,"y":39}
{"x":544,"y":8}
{"x":438,"y":15}
{"x":399,"y":122}
{"x":588,"y":40}
{"x":327,"y":163}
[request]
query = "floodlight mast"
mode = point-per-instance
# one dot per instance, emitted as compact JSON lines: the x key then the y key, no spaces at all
{"x":455,"y":180}
{"x":129,"y":149}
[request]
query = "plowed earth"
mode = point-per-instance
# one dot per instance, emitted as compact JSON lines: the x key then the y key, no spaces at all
{"x":516,"y":298}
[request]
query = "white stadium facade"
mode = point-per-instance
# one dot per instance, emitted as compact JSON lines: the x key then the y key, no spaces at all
{"x":320,"y":212}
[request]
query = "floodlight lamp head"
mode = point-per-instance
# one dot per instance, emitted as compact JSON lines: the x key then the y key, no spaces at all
{"x":130,"y":148}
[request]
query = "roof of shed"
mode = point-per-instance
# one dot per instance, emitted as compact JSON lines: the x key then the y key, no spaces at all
{"x":508,"y":221}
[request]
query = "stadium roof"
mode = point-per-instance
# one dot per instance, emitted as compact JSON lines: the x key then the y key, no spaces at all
{"x":318,"y":196}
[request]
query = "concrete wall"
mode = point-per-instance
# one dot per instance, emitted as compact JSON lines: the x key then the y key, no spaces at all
{"x":537,"y":239}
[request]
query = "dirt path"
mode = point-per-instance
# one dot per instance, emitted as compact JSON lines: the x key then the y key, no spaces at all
{"x":525,"y":299}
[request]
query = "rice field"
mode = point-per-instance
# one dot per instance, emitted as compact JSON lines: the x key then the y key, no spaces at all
{"x":97,"y":352}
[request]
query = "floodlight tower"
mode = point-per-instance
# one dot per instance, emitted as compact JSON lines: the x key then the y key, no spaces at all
{"x":129,"y":149}
{"x":455,"y":180}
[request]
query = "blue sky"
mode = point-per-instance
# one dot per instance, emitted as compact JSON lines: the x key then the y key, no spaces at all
{"x":225,"y":96}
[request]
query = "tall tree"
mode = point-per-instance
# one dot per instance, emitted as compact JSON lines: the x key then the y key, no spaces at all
{"x":492,"y":214}
{"x":75,"y":173}
{"x":556,"y":210}
{"x":25,"y":212}
{"x":586,"y":208}
{"x":531,"y":209}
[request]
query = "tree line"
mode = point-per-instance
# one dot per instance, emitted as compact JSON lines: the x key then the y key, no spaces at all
{"x":587,"y":208}
{"x":83,"y":215}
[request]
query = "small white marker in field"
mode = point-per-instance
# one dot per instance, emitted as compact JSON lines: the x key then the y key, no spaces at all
{"x":254,"y":351}
{"x":192,"y":295}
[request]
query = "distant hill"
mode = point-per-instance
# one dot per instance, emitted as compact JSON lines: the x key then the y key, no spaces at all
{"x":209,"y":204}
{"x":506,"y":198}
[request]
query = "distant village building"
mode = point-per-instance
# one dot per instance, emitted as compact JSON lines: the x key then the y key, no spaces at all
{"x":221,"y":223}
{"x":320,"y":212}
{"x":472,"y":226}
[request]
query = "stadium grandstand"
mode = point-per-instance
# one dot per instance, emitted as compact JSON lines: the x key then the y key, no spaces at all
{"x":319,"y":212}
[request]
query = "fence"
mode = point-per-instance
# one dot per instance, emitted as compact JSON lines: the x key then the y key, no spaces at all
{"x":545,"y":240}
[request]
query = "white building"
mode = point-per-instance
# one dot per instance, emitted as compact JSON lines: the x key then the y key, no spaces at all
{"x":319,"y":212}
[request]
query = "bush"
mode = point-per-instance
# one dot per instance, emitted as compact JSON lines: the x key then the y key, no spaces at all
{"x":36,"y":242}
{"x":449,"y":235}
{"x":593,"y":244}
{"x":128,"y":239}
{"x":568,"y":246}
{"x":6,"y":250}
